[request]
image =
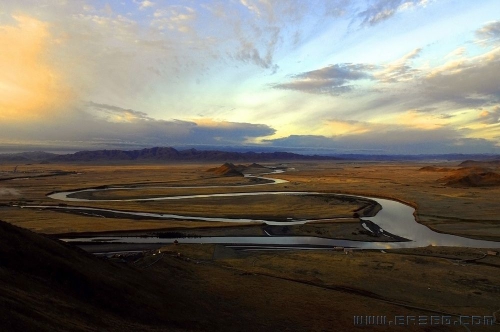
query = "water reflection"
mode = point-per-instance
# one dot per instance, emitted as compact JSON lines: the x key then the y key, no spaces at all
{"x":394,"y":217}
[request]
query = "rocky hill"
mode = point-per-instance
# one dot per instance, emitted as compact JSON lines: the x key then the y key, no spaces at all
{"x":472,"y":177}
{"x":227,"y":169}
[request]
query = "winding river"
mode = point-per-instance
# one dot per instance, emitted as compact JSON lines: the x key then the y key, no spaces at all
{"x":394,"y":217}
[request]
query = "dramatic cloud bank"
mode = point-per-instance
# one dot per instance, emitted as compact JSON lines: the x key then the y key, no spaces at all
{"x":383,"y":76}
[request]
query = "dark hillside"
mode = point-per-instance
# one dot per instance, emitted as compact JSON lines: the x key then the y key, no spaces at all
{"x":47,"y":285}
{"x":472,"y":177}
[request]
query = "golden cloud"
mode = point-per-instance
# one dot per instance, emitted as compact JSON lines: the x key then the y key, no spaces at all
{"x":415,"y":119}
{"x":340,"y":128}
{"x":30,"y":87}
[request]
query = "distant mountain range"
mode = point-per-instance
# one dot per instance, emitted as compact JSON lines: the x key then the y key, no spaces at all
{"x":169,"y":154}
{"x":24,"y":157}
{"x":157,"y":154}
{"x":483,"y":163}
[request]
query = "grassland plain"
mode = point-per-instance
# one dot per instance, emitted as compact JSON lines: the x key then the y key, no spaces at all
{"x":472,"y":212}
{"x":437,"y":279}
{"x":222,"y":288}
{"x":34,"y":190}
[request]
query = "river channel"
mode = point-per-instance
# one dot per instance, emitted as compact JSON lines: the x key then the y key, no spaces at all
{"x":395,"y":217}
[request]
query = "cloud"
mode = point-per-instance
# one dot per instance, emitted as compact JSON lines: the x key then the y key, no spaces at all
{"x":489,"y":33}
{"x":398,"y":86}
{"x":338,"y":8}
{"x":256,"y":42}
{"x":145,"y":4}
{"x":249,"y":53}
{"x":333,"y":80}
{"x":490,"y":117}
{"x":382,"y":10}
{"x":347,"y":127}
{"x":275,"y":12}
{"x":424,"y":110}
{"x":111,"y":45}
{"x":209,"y":131}
{"x":117,"y":114}
{"x":458,"y":52}
{"x":421,"y":120}
{"x":174,"y":17}
{"x":337,"y":79}
{"x":267,"y":25}
{"x":30,"y":85}
{"x":107,"y":57}
{"x":399,"y":70}
{"x":122,"y":73}
{"x":391,"y":140}
{"x":259,"y":7}
{"x":96,"y":125}
{"x":471,"y":83}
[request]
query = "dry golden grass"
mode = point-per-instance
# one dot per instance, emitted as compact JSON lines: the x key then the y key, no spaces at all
{"x":319,"y":290}
{"x":473,"y":212}
{"x":340,"y":286}
{"x":465,"y":211}
{"x":54,"y":222}
{"x":425,"y":281}
{"x":263,"y":206}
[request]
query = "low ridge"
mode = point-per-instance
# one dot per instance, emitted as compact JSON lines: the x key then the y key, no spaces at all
{"x":483,"y":163}
{"x":472,"y":177}
{"x":228,"y":169}
{"x":434,"y":169}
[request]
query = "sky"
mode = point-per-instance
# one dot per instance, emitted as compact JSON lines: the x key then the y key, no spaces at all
{"x":339,"y":76}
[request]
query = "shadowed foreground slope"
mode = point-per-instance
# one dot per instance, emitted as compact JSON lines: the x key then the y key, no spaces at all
{"x":46,"y":285}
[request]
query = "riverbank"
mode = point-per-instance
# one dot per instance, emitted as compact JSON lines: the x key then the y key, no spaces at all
{"x":470,"y":212}
{"x":214,"y":288}
{"x":347,"y":229}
